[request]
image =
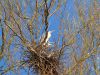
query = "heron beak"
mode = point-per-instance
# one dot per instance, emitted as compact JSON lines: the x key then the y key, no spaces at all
{"x":52,"y":31}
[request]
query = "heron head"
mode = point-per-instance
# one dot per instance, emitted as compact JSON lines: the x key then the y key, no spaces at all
{"x":51,"y":31}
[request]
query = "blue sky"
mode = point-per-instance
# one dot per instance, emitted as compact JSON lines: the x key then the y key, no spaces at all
{"x":54,"y":23}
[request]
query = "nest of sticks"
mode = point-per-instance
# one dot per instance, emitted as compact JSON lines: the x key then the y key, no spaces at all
{"x":43,"y":61}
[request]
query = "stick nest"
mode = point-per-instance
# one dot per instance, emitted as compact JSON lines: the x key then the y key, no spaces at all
{"x":43,"y":61}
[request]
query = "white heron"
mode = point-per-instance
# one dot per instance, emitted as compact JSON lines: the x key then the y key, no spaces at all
{"x":47,"y":39}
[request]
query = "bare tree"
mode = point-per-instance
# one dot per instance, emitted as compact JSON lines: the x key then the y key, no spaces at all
{"x":75,"y":46}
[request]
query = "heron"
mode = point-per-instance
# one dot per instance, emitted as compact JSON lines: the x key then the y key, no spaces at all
{"x":47,"y":39}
